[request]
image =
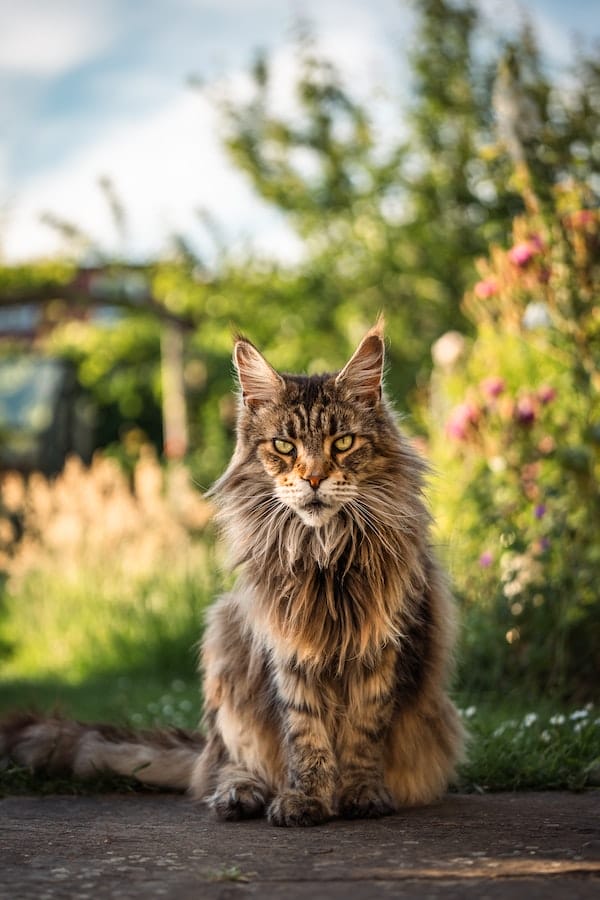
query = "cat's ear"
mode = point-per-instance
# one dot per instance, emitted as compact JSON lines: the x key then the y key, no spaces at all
{"x":259,"y":381}
{"x":362,"y":376}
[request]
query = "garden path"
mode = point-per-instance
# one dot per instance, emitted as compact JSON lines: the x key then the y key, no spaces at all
{"x":145,"y":846}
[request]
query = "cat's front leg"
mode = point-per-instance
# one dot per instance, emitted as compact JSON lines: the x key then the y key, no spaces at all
{"x":360,"y":746}
{"x":312,"y":773}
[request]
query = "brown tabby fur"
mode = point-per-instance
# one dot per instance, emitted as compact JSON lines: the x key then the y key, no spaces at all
{"x":326,"y":669}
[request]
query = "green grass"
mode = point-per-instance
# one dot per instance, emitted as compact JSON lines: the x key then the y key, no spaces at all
{"x":531,"y":746}
{"x":76,"y":629}
{"x":97,"y":650}
{"x":141,"y":700}
{"x":524,"y":747}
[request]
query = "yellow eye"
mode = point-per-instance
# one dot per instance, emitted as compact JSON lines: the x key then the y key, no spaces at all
{"x":343,"y":443}
{"x":284,"y":447}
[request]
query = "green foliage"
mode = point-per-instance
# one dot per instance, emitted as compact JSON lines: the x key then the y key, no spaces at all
{"x":87,"y":627}
{"x":119,"y":367}
{"x":392,"y":226}
{"x":48,"y":278}
{"x":488,"y":134}
{"x":511,"y":748}
{"x":398,"y":228}
{"x":111,"y":597}
{"x":517,"y":748}
{"x":516,"y":435}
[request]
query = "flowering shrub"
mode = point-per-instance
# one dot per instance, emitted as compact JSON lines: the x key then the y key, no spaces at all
{"x":515,"y":434}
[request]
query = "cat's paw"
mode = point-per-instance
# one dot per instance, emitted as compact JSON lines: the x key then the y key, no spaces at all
{"x":295,"y":808}
{"x":366,"y":801}
{"x":239,"y":800}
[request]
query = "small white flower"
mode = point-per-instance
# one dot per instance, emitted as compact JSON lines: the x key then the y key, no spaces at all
{"x":510,"y":723}
{"x":497,"y":464}
{"x":448,"y":349}
{"x":546,"y":736}
{"x":470,"y":712}
{"x":529,"y":719}
{"x":578,"y":714}
{"x":558,"y":719}
{"x":536,"y":315}
{"x":578,"y":727}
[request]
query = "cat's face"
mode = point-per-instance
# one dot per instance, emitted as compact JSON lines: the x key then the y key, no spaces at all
{"x":316,"y":453}
{"x":316,"y":437}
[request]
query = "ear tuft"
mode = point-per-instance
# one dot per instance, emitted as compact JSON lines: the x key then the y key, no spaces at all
{"x":362,"y":376}
{"x":259,"y":381}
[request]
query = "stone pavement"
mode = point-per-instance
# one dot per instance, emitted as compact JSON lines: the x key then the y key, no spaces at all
{"x":146,"y":846}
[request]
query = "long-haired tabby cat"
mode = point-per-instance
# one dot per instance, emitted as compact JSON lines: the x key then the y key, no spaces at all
{"x":325,"y":670}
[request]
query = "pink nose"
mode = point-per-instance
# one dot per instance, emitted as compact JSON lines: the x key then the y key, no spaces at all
{"x":315,"y":480}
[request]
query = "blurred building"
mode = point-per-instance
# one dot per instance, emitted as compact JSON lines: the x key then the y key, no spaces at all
{"x":44,"y":413}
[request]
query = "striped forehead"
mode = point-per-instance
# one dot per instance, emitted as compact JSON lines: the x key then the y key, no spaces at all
{"x":318,"y":420}
{"x":312,"y":410}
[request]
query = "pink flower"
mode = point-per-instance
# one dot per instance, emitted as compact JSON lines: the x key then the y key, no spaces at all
{"x":525,"y":411}
{"x":547,"y":444}
{"x":546,"y":393}
{"x":493,"y":386}
{"x":536,"y":242}
{"x":486,"y":288}
{"x":521,"y":254}
{"x":581,"y":218}
{"x":461,"y":418}
{"x":486,"y":559}
{"x":541,"y":545}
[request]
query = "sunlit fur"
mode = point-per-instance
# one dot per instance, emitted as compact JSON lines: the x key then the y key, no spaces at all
{"x":325,"y":670}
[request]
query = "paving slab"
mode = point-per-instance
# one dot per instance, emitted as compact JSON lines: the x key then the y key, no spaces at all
{"x":146,"y":846}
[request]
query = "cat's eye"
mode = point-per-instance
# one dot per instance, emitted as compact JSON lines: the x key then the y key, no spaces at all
{"x":285,"y":447}
{"x":343,"y":443}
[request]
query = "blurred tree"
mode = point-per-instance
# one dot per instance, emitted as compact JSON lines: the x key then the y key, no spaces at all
{"x":392,"y":225}
{"x":399,"y":228}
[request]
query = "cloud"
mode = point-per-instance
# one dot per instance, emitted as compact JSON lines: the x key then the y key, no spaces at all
{"x":46,"y":39}
{"x":164,"y":168}
{"x":553,"y":37}
{"x":167,"y":163}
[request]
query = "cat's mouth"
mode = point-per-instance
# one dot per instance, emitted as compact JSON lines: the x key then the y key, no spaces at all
{"x":316,"y":512}
{"x":316,"y":503}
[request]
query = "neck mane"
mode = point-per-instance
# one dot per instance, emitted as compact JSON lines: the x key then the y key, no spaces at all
{"x":336,"y":593}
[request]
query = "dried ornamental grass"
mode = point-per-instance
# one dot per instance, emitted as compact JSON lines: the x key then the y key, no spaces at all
{"x":93,"y":517}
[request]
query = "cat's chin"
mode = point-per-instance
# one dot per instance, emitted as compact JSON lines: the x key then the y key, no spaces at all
{"x":316,"y":515}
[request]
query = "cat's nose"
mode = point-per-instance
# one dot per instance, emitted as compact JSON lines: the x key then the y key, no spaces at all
{"x":315,"y":479}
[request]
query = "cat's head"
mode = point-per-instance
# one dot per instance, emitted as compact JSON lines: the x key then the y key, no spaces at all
{"x":315,"y":441}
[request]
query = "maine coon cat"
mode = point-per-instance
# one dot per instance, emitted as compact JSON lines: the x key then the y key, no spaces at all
{"x":326,"y":669}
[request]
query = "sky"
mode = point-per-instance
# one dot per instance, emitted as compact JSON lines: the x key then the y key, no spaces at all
{"x":105,"y":88}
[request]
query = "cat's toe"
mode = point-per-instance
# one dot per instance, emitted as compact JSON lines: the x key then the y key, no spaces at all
{"x":366,"y":801}
{"x":294,"y":808}
{"x":238,"y":801}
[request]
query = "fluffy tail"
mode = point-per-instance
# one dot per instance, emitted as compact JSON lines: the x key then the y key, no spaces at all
{"x":54,"y":745}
